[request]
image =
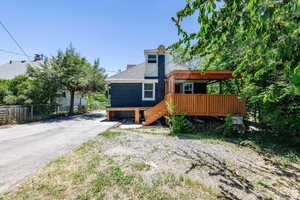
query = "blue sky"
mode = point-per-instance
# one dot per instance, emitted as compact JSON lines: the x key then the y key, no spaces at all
{"x":116,"y":31}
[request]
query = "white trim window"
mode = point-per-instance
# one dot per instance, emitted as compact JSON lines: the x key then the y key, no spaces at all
{"x":188,"y":88}
{"x":148,"y":91}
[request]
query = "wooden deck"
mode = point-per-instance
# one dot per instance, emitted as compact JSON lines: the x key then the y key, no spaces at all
{"x":198,"y":105}
{"x":208,"y":104}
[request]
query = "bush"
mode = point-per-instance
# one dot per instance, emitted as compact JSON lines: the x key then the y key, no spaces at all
{"x":227,"y":127}
{"x":178,"y":123}
{"x":96,"y":101}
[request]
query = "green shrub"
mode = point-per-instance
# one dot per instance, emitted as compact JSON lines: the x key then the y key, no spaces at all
{"x":227,"y":127}
{"x":96,"y":101}
{"x":178,"y":123}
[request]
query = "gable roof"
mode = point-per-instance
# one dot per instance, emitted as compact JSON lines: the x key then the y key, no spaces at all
{"x":13,"y":69}
{"x":133,"y":73}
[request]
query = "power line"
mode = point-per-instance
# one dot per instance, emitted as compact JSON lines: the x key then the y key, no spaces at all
{"x":12,"y":37}
{"x":12,"y":52}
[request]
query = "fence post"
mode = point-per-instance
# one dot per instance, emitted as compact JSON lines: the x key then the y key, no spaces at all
{"x":31,"y":112}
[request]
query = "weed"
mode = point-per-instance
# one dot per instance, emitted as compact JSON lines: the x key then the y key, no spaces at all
{"x":54,"y":190}
{"x":86,"y":147}
{"x":140,"y":166}
{"x":82,"y":197}
{"x":154,"y":149}
{"x":78,"y":177}
{"x":262,"y":184}
{"x":110,"y":134}
{"x":145,"y":191}
{"x":57,"y":162}
{"x":108,"y":177}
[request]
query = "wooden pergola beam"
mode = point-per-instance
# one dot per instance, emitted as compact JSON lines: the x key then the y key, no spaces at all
{"x":198,"y":74}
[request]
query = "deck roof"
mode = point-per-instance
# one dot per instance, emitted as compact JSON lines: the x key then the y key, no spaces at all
{"x":200,"y":74}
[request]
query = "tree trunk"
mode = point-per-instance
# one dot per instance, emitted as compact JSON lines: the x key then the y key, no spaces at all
{"x":72,"y":95}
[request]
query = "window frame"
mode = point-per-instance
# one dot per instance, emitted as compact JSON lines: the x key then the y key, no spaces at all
{"x":152,"y":60}
{"x":184,"y":84}
{"x":153,"y":92}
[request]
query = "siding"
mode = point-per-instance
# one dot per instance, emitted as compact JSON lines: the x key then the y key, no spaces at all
{"x":129,"y":95}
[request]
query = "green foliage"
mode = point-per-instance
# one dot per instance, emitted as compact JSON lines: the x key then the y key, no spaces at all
{"x":42,"y":84}
{"x":70,"y":71}
{"x":110,"y":134}
{"x":109,"y":177}
{"x":257,"y":40}
{"x":96,"y":101}
{"x":179,"y":123}
{"x":228,"y":126}
{"x":3,"y":90}
{"x":22,"y":90}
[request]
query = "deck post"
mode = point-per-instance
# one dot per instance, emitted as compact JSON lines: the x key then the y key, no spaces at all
{"x":109,"y":115}
{"x":137,"y":115}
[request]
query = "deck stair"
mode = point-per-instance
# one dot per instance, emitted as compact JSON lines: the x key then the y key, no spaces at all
{"x":155,"y":113}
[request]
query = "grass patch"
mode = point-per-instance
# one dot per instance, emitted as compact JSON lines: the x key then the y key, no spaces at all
{"x":206,"y":137}
{"x":53,"y":190}
{"x":110,"y":177}
{"x":278,"y":148}
{"x":154,"y":149}
{"x":110,"y":134}
{"x":150,"y":131}
{"x":88,"y":174}
{"x":140,"y":166}
{"x":146,"y":191}
{"x":86,"y":147}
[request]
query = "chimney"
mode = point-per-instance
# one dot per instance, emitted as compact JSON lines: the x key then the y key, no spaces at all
{"x":37,"y":57}
{"x":161,"y":51}
{"x":130,"y":66}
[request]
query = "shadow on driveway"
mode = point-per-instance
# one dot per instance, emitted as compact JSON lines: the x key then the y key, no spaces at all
{"x":81,"y":117}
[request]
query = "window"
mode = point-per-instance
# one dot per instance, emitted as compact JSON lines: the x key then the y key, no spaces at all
{"x":149,"y":91}
{"x":151,"y":58}
{"x":188,"y":88}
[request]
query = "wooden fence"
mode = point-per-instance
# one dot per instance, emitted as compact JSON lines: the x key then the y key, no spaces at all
{"x":22,"y":114}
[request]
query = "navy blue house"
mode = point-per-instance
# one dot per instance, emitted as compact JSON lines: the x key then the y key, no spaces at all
{"x":143,"y":85}
{"x":140,"y":90}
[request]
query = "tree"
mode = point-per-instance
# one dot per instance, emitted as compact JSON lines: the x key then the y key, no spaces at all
{"x":47,"y":80}
{"x":23,"y":90}
{"x":3,"y":90}
{"x":258,"y":39}
{"x":69,"y":71}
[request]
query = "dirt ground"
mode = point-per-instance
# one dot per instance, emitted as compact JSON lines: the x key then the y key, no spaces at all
{"x":229,"y":170}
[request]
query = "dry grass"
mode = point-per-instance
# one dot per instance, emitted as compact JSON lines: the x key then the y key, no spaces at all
{"x":87,"y":174}
{"x":129,"y":164}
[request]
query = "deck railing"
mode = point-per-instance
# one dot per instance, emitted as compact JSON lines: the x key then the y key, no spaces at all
{"x":207,"y":104}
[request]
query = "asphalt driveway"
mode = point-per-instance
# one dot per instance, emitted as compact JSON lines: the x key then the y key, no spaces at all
{"x":26,"y":148}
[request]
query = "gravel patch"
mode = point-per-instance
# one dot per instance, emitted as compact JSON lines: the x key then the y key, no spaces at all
{"x":232,"y":171}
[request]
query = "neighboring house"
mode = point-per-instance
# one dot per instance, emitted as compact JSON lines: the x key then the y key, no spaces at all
{"x":15,"y":68}
{"x":142,"y":90}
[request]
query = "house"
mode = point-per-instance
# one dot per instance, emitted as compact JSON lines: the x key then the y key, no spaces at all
{"x":142,"y":90}
{"x":15,"y":68}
